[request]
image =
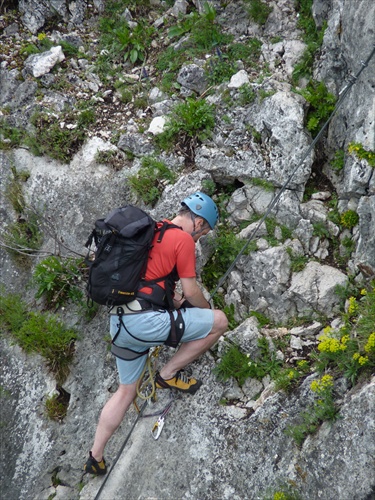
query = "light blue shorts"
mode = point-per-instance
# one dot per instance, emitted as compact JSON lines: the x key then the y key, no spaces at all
{"x":152,"y":328}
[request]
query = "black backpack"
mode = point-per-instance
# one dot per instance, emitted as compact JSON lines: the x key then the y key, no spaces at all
{"x":123,"y":240}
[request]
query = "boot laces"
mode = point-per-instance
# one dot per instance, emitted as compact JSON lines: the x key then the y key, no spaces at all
{"x":183,"y":377}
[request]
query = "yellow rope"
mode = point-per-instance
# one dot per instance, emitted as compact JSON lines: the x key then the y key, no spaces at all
{"x":143,"y":383}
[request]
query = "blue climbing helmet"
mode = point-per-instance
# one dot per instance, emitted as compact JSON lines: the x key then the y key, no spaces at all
{"x":203,"y":206}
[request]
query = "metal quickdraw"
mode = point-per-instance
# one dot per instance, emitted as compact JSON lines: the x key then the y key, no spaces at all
{"x":159,"y":424}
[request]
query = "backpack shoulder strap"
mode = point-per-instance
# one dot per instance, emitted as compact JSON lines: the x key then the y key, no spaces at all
{"x":166,"y":225}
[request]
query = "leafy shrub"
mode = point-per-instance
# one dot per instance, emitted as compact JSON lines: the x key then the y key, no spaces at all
{"x":219,"y":69}
{"x":234,"y":363}
{"x":248,"y":52}
{"x":297,"y":262}
{"x":58,"y":280}
{"x":349,"y":349}
{"x":360,"y":152}
{"x":120,"y":43}
{"x":312,"y":36}
{"x":225,"y":248}
{"x":322,"y":103}
{"x":23,"y":238}
{"x":57,"y":407}
{"x":323,"y":409}
{"x":37,"y":332}
{"x":246,"y":94}
{"x":151,"y":179}
{"x":192,"y":119}
{"x":52,"y":140}
{"x":349,"y":219}
{"x":259,"y":11}
{"x":10,"y":137}
{"x":289,"y":377}
{"x":338,"y":161}
{"x":204,"y":32}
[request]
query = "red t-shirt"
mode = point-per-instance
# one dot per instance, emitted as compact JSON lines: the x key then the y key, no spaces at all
{"x":177,"y":248}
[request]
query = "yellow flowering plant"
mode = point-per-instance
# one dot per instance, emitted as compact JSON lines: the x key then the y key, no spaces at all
{"x":361,"y":153}
{"x":351,"y":349}
{"x":323,"y":409}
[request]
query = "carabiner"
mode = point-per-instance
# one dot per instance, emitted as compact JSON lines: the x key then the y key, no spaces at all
{"x":158,"y":427}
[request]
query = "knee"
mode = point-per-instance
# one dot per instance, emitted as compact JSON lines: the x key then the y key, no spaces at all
{"x":220,"y":322}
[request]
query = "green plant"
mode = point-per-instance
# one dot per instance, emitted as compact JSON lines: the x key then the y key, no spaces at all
{"x":349,"y":219}
{"x":23,"y":238}
{"x":120,"y":43}
{"x":246,"y":95}
{"x":140,"y":102}
{"x":234,"y":363}
{"x":257,"y":138}
{"x":204,"y":32}
{"x":322,"y":103}
{"x":288,"y":377}
{"x":248,"y":52}
{"x":10,"y":137}
{"x":263,"y":94}
{"x":271,"y":225}
{"x":348,"y":350}
{"x":259,"y":11}
{"x":52,"y":140}
{"x":56,"y":407}
{"x":312,"y":36}
{"x":13,"y":311}
{"x":323,"y":409}
{"x":59,"y":280}
{"x":14,"y":191}
{"x":282,"y":491}
{"x":192,"y":120}
{"x":219,"y":69}
{"x":262,"y":319}
{"x":29,"y":49}
{"x":363,"y":154}
{"x":208,"y":187}
{"x":38,"y":332}
{"x":69,"y":49}
{"x":338,"y":161}
{"x":225,"y":247}
{"x":348,"y":244}
{"x":151,"y":179}
{"x":320,"y":230}
{"x":297,"y":262}
{"x":113,"y":158}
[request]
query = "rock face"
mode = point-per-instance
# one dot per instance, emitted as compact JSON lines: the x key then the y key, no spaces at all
{"x":228,"y":441}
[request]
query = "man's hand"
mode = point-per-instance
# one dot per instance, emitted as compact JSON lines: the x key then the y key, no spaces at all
{"x":193,"y":294}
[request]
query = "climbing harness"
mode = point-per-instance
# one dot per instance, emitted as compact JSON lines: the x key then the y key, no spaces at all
{"x":343,"y":93}
{"x":158,"y":426}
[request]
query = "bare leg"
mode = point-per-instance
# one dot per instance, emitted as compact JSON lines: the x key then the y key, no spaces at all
{"x":190,"y":351}
{"x":111,"y":417}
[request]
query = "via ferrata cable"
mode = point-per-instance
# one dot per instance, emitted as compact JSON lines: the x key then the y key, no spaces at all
{"x":343,"y":93}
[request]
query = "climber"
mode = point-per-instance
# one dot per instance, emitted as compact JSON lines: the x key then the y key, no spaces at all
{"x":143,"y":324}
